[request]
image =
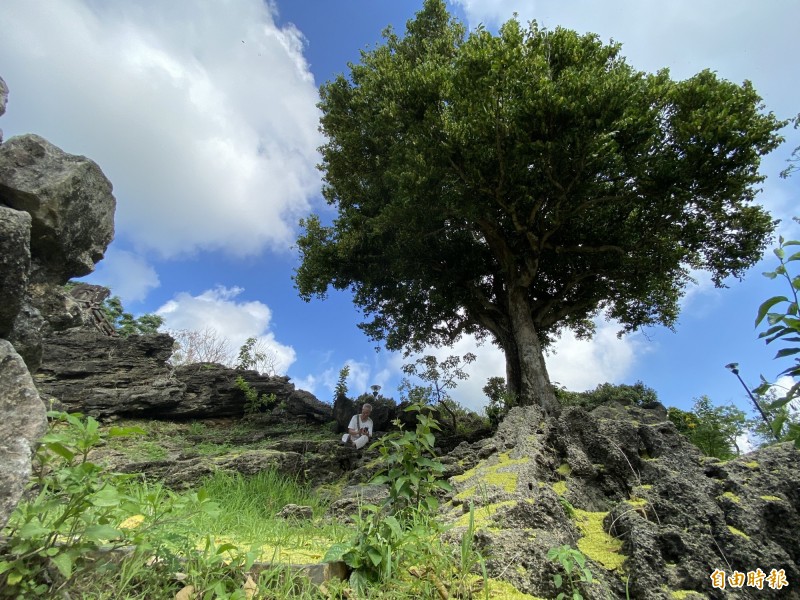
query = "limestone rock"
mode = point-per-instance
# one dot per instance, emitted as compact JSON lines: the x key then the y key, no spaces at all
{"x":301,"y":403}
{"x":353,"y":497}
{"x":87,"y":372}
{"x":22,"y":423}
{"x":633,"y":495}
{"x":57,"y":307}
{"x":295,"y":511}
{"x":105,"y":377}
{"x":15,"y":264}
{"x":69,"y":199}
{"x":26,"y":334}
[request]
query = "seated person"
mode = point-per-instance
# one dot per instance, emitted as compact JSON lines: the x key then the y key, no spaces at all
{"x":359,"y":431}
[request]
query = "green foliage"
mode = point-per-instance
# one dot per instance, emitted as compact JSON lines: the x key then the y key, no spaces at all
{"x":125,"y":323}
{"x":441,"y":377}
{"x":404,"y":528}
{"x":713,"y":429}
{"x":501,"y":400}
{"x":784,"y":326}
{"x":637,"y":394}
{"x":794,"y":159}
{"x":685,"y":421}
{"x":248,"y":355}
{"x":573,"y":562}
{"x":253,"y":402}
{"x":75,"y":510}
{"x":512,"y":185}
{"x":410,"y":466}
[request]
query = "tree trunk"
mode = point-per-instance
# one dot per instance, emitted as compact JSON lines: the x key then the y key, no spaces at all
{"x":513,"y":374}
{"x":528,"y":364}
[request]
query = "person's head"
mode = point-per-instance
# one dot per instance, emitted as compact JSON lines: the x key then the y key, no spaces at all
{"x":366,"y":410}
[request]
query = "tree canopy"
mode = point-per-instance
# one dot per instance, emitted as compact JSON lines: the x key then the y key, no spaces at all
{"x":515,"y":184}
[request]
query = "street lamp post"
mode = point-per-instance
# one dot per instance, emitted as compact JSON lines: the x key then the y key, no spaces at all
{"x":734,"y":368}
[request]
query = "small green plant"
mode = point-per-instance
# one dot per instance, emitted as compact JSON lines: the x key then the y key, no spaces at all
{"x":501,"y":400}
{"x":403,"y":530}
{"x":341,"y":383}
{"x":74,"y":511}
{"x":569,"y":510}
{"x":197,"y":428}
{"x":411,"y":468}
{"x":784,"y":326}
{"x":253,"y":401}
{"x":573,"y":562}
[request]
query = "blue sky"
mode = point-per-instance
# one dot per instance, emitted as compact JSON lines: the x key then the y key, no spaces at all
{"x":202,"y":114}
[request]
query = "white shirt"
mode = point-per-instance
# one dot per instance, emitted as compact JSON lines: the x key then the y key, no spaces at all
{"x":354,"y":424}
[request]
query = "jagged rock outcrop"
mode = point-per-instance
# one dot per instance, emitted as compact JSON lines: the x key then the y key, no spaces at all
{"x":85,"y":371}
{"x":22,"y":423}
{"x":652,"y":515}
{"x":56,"y":220}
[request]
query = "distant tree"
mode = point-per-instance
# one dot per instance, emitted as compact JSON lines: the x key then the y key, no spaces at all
{"x":637,"y":394}
{"x":209,"y":345}
{"x":713,"y":429}
{"x":441,"y":377}
{"x":206,"y":345}
{"x":501,"y":400}
{"x":255,"y":354}
{"x":514,"y":185}
{"x":125,"y":323}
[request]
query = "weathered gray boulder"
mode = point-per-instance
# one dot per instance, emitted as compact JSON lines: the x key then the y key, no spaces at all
{"x":26,"y":334}
{"x":15,"y":264}
{"x":57,"y":307}
{"x":296,"y":511}
{"x":22,"y":423}
{"x":653,"y":517}
{"x":69,"y":200}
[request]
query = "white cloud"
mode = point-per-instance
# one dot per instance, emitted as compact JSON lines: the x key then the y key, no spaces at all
{"x":307,"y":383}
{"x":218,"y":309}
{"x":358,"y":380}
{"x":128,"y":275}
{"x":202,"y":114}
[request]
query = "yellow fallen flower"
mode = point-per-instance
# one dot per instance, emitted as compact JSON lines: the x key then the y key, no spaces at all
{"x":132,"y":522}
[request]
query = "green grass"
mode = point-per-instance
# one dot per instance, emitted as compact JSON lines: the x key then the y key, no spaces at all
{"x":248,"y":508}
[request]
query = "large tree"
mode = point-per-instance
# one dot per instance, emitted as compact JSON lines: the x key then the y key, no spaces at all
{"x":515,"y":184}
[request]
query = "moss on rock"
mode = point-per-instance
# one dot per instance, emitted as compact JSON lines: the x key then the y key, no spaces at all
{"x":596,"y":543}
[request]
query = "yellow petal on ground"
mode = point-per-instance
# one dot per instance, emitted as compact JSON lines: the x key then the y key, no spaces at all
{"x":186,"y":593}
{"x":132,"y":522}
{"x":250,"y":588}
